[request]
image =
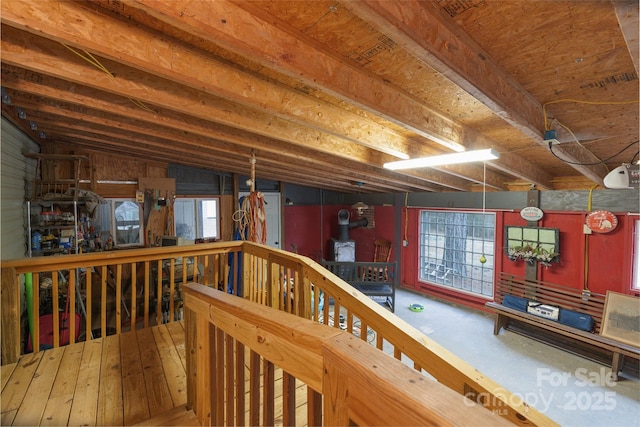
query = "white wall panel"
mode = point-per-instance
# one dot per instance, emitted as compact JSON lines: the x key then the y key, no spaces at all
{"x":16,"y":172}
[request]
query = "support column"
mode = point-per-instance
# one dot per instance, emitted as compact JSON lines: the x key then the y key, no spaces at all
{"x":533,"y":199}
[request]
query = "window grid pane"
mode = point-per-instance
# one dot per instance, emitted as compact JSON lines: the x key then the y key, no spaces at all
{"x":185,"y":218}
{"x":196,"y":218}
{"x":451,"y":246}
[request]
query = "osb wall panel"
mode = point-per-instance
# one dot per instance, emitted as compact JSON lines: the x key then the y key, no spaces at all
{"x":64,"y":169}
{"x":117,"y":176}
{"x":227,"y":225}
{"x":110,"y":175}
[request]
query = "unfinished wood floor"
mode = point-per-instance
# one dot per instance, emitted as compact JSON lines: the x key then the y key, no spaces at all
{"x":135,"y":377}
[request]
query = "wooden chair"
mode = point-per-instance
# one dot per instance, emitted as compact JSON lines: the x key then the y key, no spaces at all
{"x":381,"y":253}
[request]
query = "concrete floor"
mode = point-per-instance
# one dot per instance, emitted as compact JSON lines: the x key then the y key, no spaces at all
{"x":557,"y":383}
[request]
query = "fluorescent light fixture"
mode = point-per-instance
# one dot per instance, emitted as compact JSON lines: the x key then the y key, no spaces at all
{"x":445,"y":159}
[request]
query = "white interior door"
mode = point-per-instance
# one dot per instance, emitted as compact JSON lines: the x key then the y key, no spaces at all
{"x":273,"y":220}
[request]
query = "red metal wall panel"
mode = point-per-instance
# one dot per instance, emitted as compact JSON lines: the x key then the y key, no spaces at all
{"x":607,"y":255}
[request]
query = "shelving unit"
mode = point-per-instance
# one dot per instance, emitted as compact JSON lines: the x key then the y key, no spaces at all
{"x":57,"y":222}
{"x":52,"y":211}
{"x":47,"y":183}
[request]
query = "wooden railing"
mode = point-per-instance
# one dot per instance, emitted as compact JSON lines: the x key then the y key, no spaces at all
{"x":81,"y":297}
{"x":146,"y":284}
{"x":286,"y":353}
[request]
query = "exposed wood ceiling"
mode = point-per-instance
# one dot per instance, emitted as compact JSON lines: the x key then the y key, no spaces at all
{"x":325,"y":92}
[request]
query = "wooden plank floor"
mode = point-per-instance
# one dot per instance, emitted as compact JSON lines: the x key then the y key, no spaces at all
{"x":127,"y":379}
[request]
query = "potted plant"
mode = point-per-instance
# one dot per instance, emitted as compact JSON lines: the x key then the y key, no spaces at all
{"x":529,"y":254}
{"x":545,"y":257}
{"x":514,"y":253}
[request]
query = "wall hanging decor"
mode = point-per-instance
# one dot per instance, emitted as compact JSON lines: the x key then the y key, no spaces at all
{"x":532,"y":244}
{"x":601,"y":221}
{"x":621,"y":319}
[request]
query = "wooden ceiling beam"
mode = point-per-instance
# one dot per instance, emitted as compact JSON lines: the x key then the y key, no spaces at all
{"x":296,"y":55}
{"x":49,"y":58}
{"x":52,"y":94}
{"x":151,"y":53}
{"x":111,"y":143}
{"x":64,"y":127}
{"x":159,"y":137}
{"x":423,"y":29}
{"x":628,"y":14}
{"x":45,"y":85}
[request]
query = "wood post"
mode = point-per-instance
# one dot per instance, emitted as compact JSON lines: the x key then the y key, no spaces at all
{"x":10,"y":309}
{"x":533,"y":199}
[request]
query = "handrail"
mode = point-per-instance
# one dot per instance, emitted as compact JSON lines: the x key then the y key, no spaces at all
{"x":105,"y":292}
{"x":142,"y":287}
{"x":341,"y":368}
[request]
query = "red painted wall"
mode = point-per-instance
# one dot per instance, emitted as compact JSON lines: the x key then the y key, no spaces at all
{"x":302,"y":231}
{"x":607,"y":256}
{"x":311,"y":228}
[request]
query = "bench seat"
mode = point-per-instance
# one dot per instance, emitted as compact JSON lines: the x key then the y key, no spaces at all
{"x":567,"y":298}
{"x":617,"y":349}
{"x":374,"y":279}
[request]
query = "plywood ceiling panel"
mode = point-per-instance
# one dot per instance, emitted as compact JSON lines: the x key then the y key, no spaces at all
{"x":326,"y":92}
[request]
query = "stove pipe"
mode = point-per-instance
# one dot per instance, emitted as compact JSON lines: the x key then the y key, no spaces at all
{"x":344,"y":225}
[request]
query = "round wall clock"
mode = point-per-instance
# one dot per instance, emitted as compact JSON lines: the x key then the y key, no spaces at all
{"x":601,"y":221}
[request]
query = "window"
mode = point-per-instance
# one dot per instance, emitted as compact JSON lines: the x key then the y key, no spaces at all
{"x":120,"y":220}
{"x":196,"y":218}
{"x":452,"y":245}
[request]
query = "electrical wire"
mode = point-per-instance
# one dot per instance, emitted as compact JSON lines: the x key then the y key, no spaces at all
{"x":406,"y":215}
{"x":577,"y":101}
{"x":483,"y":258}
{"x":596,"y":163}
{"x":87,"y":56}
{"x":251,"y":218}
{"x":547,"y":127}
{"x":586,"y":241}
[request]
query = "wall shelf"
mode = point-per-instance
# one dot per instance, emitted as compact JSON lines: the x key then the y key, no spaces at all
{"x":56,"y":224}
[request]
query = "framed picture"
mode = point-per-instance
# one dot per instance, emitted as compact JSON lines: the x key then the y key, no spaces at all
{"x":621,"y":319}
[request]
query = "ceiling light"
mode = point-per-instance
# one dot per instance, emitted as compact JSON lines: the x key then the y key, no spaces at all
{"x":445,"y":159}
{"x":359,"y":206}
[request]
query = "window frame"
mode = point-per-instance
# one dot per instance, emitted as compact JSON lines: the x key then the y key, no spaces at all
{"x":112,"y":221}
{"x":196,"y":219}
{"x":439,"y":276}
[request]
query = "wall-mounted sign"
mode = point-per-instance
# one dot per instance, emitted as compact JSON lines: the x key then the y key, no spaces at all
{"x":531,"y":213}
{"x":601,"y":221}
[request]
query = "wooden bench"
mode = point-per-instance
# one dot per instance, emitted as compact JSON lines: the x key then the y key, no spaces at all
{"x":559,"y":335}
{"x":374,"y":279}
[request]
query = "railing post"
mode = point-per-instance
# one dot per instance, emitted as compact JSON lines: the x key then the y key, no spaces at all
{"x":191,"y":356}
{"x":10,"y":309}
{"x":205,"y":387}
{"x":336,"y":410}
